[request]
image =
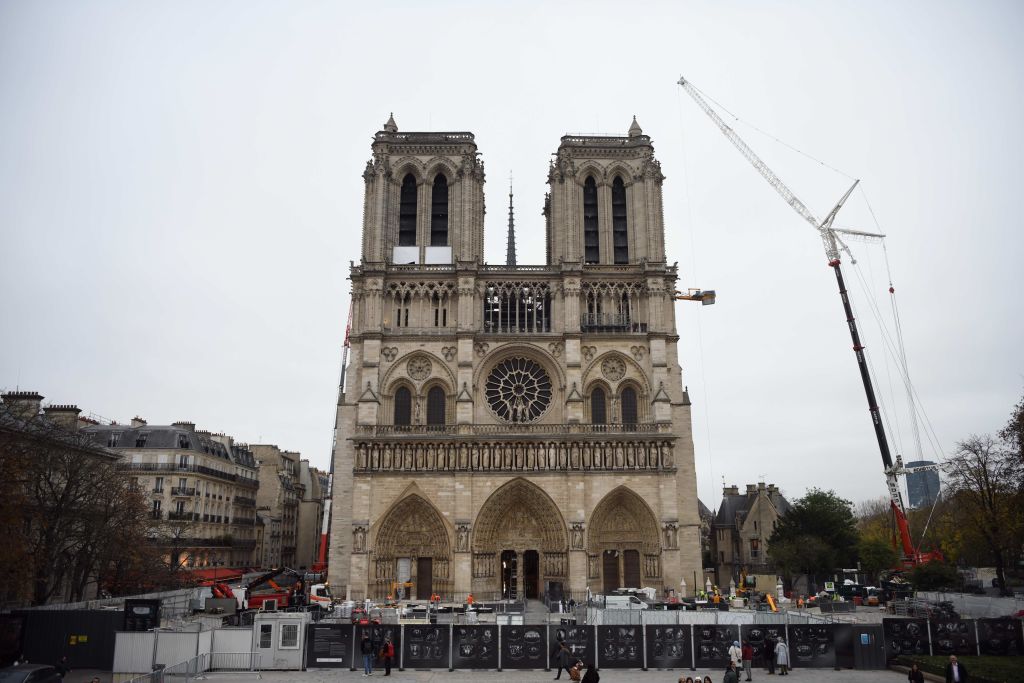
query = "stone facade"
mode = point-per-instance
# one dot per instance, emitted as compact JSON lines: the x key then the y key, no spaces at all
{"x":740,"y":532}
{"x":278,"y":501}
{"x":508,"y":427}
{"x":311,"y":510}
{"x":201,"y":486}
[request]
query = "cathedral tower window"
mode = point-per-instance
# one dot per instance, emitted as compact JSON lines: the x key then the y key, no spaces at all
{"x":407,"y":212}
{"x":620,"y":238}
{"x":436,"y":406}
{"x":591,"y":239}
{"x":629,"y":406}
{"x":598,"y":407}
{"x":439,"y":212}
{"x":403,"y":406}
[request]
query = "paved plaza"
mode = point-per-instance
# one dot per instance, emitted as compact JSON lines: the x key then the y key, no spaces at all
{"x":607,"y":676}
{"x":531,"y":676}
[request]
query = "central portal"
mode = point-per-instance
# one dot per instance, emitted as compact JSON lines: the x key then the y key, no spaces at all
{"x":531,"y":574}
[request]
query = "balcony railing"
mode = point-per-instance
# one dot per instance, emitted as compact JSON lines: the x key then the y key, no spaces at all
{"x":199,"y":469}
{"x":243,"y":520}
{"x":420,"y":431}
{"x":179,"y":491}
{"x":245,"y":502}
{"x":610,"y":323}
{"x":183,"y":516}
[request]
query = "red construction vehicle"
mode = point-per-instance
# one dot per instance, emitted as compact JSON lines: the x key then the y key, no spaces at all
{"x":280,"y":585}
{"x":832,"y":238}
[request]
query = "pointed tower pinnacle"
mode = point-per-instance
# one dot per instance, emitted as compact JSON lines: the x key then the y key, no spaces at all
{"x":392,"y":127}
{"x":635,"y":130}
{"x":510,"y":253}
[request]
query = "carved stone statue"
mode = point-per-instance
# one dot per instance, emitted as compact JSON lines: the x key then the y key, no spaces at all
{"x":359,"y":540}
{"x":462,"y":539}
{"x":577,"y":537}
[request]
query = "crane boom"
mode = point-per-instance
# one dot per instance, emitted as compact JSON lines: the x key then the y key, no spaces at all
{"x":832,"y":245}
{"x":768,"y":174}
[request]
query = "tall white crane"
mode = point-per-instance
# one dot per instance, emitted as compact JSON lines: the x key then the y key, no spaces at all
{"x":832,"y":242}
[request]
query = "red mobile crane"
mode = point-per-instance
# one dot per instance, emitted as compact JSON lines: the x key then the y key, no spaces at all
{"x":833,"y":243}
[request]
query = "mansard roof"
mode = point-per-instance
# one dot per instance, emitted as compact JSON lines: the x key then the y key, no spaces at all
{"x":170,"y":437}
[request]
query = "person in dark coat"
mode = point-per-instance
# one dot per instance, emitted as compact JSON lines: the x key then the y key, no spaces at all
{"x":769,"y":654}
{"x":956,"y":672}
{"x":915,"y":675}
{"x":562,"y":657}
{"x":366,"y":649}
{"x":730,"y":673}
{"x":63,"y":668}
{"x":591,"y":676}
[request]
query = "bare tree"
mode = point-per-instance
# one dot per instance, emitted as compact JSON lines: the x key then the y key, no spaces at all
{"x":986,"y":480}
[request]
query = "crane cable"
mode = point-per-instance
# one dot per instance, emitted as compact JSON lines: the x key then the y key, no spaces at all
{"x":693,"y":266}
{"x":769,"y":135}
{"x":898,"y":353}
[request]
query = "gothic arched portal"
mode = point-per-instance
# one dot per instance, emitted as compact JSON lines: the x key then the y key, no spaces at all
{"x":624,"y":544}
{"x":412,"y":546}
{"x":519,"y":542}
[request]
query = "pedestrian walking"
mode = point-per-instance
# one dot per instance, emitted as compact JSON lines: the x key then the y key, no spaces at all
{"x":735,"y":654}
{"x":387,"y":654}
{"x":782,"y":657}
{"x":707,"y":679}
{"x":748,"y":659}
{"x":561,"y":656}
{"x":592,"y":676}
{"x":956,"y":672}
{"x":366,"y":648}
{"x":730,"y":674}
{"x":769,"y":654}
{"x":915,"y":675}
{"x":63,"y":668}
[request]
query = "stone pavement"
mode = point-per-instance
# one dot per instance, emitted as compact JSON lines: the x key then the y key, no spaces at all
{"x":607,"y":676}
{"x":464,"y":676}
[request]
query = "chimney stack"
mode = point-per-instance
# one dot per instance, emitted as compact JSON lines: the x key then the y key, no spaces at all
{"x":188,"y":426}
{"x":23,"y":404}
{"x":64,"y":416}
{"x":731,"y":490}
{"x":751,"y":489}
{"x":138,"y":422}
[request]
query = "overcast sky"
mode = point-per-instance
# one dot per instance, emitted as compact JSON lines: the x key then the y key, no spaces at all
{"x":181,"y":194}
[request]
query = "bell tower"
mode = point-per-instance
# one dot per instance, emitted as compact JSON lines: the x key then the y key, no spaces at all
{"x":604,"y":206}
{"x":424,"y":201}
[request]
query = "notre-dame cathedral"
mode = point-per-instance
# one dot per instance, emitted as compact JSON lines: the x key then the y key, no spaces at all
{"x":509,"y":428}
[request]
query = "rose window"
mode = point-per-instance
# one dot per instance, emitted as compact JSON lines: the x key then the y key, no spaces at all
{"x":518,"y":390}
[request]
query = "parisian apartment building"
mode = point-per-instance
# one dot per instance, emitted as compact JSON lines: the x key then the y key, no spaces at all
{"x":202,"y":487}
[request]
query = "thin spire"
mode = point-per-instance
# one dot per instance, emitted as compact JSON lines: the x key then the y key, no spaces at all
{"x":510,"y":253}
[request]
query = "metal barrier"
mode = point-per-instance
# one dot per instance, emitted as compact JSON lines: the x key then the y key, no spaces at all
{"x":193,"y":668}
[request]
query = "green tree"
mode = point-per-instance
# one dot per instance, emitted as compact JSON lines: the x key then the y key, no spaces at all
{"x":1013,"y":433}
{"x":876,"y":554}
{"x":932,"y":576}
{"x":817,"y":535}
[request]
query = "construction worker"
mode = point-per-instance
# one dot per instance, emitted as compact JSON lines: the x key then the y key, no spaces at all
{"x":469,"y":600}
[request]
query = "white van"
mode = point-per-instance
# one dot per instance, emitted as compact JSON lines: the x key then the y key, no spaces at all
{"x":624,"y":602}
